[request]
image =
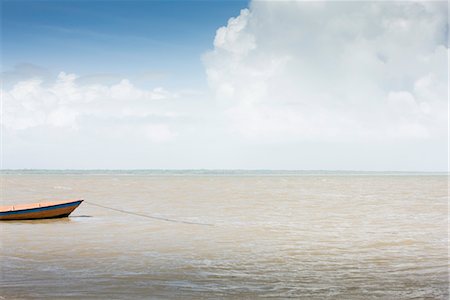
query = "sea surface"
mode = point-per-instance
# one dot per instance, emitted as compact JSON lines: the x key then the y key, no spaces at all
{"x":260,"y":234}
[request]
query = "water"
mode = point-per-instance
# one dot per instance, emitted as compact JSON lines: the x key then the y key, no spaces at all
{"x":276,"y":234}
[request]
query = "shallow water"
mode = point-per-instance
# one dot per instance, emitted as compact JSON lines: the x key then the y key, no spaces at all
{"x":341,"y":236}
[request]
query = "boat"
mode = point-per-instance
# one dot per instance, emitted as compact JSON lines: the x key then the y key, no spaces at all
{"x":42,"y":210}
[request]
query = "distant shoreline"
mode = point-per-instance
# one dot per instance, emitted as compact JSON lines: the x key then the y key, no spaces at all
{"x":214,"y":172}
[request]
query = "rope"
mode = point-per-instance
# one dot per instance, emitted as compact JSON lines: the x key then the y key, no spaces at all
{"x":148,"y":216}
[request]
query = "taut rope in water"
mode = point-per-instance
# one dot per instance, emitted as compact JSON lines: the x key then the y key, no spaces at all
{"x":148,"y":216}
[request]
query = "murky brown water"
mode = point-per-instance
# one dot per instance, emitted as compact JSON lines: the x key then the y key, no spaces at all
{"x":310,"y":237}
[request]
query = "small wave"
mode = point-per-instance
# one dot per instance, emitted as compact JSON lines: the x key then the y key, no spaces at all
{"x":61,"y":187}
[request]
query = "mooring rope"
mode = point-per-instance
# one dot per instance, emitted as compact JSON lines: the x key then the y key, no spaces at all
{"x":148,"y":216}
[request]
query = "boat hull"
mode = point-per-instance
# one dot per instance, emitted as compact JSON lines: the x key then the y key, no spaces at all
{"x":39,"y":211}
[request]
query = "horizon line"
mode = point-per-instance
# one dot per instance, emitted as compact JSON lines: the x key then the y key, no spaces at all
{"x":221,"y":169}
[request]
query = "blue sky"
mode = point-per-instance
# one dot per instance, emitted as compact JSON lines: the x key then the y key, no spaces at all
{"x":335,"y":85}
{"x":120,"y":37}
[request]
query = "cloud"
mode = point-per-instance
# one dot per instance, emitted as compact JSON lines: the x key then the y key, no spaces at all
{"x":23,"y":71}
{"x":121,"y":108}
{"x":286,"y":71}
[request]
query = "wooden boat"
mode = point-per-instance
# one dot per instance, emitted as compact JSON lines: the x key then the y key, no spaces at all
{"x":43,"y":210}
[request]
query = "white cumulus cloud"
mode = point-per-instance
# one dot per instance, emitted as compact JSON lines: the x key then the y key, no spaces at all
{"x":66,"y":104}
{"x":328,"y":71}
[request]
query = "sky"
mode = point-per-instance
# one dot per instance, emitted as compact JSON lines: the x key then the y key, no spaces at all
{"x":303,"y":85}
